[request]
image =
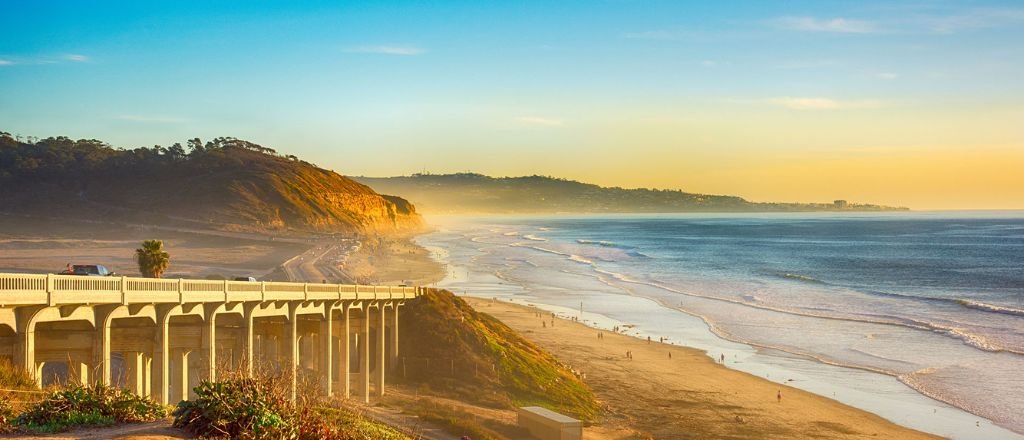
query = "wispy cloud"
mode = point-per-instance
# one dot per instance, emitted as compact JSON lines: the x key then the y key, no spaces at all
{"x":400,"y":50}
{"x":819,"y":103}
{"x":150,"y":119}
{"x":834,"y":25}
{"x":979,"y":18}
{"x":44,"y":59}
{"x":544,"y":122}
{"x":887,"y":75}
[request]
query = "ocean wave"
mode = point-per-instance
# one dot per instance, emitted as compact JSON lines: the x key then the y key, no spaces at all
{"x":990,"y":307}
{"x":580,"y":259}
{"x":571,"y":257}
{"x":534,"y":237}
{"x":630,"y":250}
{"x":964,"y":335}
{"x":511,"y":234}
{"x":802,"y":278}
{"x":604,"y":243}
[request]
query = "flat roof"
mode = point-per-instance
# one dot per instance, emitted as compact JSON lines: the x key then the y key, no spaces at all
{"x":549,"y":414}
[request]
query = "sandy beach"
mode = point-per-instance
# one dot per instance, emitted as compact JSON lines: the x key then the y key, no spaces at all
{"x":689,"y":395}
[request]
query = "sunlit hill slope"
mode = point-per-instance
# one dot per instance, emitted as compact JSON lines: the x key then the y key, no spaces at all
{"x":225,"y":183}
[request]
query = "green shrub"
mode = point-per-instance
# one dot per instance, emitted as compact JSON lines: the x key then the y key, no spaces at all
{"x":6,"y":416}
{"x":80,"y":405}
{"x":236,"y":408}
{"x":257,"y":408}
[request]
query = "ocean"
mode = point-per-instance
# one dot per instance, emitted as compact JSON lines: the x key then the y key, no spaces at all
{"x":918,"y":317}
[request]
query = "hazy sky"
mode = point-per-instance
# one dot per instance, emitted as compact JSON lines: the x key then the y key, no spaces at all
{"x":915,"y":103}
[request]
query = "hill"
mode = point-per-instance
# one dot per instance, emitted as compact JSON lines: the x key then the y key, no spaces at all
{"x":476,"y":193}
{"x":455,"y":350}
{"x":225,"y":183}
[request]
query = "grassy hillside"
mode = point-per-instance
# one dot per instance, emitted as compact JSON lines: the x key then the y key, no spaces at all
{"x":455,"y":350}
{"x":227,"y":183}
{"x":475,"y":193}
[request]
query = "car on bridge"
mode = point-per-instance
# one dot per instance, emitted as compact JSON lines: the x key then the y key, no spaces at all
{"x":91,"y":270}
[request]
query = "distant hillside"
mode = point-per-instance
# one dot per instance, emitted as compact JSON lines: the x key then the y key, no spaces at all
{"x":225,"y":183}
{"x":476,"y":193}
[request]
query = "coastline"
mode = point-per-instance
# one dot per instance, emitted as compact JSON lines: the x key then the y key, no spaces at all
{"x":883,"y":395}
{"x":688,"y":394}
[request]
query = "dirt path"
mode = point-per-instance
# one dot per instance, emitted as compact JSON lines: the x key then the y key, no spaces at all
{"x":158,"y":430}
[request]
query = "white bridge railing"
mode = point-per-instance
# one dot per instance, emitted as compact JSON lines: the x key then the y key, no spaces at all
{"x":54,"y":290}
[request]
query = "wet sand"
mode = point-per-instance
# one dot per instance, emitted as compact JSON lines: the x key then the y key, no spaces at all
{"x":689,"y":395}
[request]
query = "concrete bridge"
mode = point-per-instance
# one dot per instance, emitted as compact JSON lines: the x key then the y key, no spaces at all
{"x":160,"y":337}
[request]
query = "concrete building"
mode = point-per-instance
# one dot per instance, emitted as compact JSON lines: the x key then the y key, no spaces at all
{"x":160,"y":337}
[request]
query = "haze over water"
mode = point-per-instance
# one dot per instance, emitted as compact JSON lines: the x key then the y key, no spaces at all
{"x":935,"y":300}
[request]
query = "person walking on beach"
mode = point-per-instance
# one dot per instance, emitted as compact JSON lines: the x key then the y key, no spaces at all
{"x":670,"y":355}
{"x":722,"y":361}
{"x":779,"y":396}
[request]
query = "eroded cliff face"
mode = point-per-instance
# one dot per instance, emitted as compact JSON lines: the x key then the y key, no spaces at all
{"x":296,"y":195}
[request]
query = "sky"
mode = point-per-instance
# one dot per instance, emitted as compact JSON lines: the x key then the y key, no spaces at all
{"x":915,"y":103}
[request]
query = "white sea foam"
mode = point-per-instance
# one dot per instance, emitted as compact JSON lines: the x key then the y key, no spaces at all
{"x":991,"y":308}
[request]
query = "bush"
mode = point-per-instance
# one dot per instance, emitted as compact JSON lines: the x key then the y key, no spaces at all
{"x":257,"y":408}
{"x":80,"y":405}
{"x":13,"y":379}
{"x":6,"y":416}
{"x":236,"y":408}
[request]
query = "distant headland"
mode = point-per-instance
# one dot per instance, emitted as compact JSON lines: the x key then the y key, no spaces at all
{"x":472,"y":193}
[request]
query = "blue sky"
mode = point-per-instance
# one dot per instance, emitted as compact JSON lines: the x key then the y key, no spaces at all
{"x":691,"y":95}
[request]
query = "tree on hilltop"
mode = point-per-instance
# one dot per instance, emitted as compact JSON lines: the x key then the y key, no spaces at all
{"x":152,"y":258}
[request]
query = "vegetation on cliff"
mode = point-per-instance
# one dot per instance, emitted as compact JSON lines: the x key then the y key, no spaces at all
{"x":259,"y":408}
{"x":452,"y":349}
{"x":227,"y":183}
{"x":476,"y":193}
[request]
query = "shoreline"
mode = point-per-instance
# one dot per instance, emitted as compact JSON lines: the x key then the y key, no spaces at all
{"x":661,"y":395}
{"x":880,"y":394}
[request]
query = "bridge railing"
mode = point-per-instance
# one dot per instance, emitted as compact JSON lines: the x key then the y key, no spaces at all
{"x":51,"y":289}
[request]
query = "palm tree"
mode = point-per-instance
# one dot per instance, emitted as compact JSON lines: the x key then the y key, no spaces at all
{"x":152,"y":258}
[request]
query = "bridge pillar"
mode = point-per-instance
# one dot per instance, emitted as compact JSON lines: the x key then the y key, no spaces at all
{"x":394,"y":336}
{"x":183,"y":375}
{"x":147,"y":376}
{"x":209,"y":346}
{"x":78,"y":372}
{"x":248,"y":342}
{"x":345,"y":362}
{"x":381,"y":355}
{"x":135,"y":365}
{"x":162,"y":357}
{"x":364,"y":355}
{"x":25,"y":351}
{"x":326,"y":348}
{"x":103,"y":324}
{"x":291,"y":342}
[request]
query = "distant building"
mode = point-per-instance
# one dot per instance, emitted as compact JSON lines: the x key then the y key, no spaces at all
{"x":840,"y":204}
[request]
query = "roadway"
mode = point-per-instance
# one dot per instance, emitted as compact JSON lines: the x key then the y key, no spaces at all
{"x":320,"y":263}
